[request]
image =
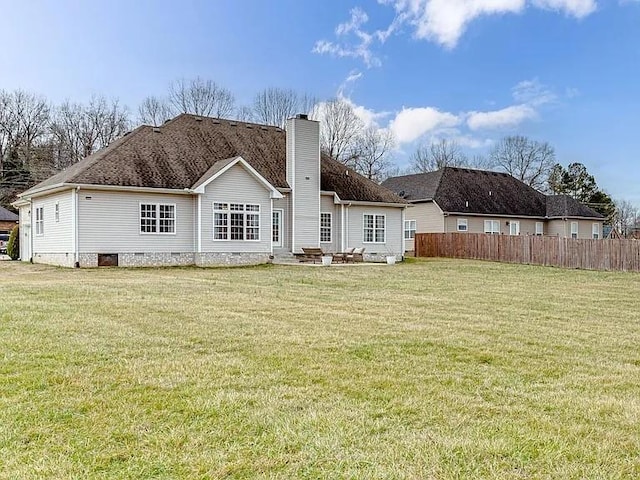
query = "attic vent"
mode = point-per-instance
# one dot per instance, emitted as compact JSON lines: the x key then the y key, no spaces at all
{"x":156,"y":130}
{"x":263,"y":128}
{"x":346,"y":172}
{"x":233,"y":124}
{"x":401,"y":193}
{"x":466,"y":204}
{"x":490,"y":192}
{"x":127,"y":133}
{"x":249,"y":126}
{"x":198,"y":119}
{"x":215,"y":121}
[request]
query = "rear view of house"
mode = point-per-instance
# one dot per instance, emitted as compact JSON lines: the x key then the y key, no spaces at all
{"x":207,"y":191}
{"x":478,"y":201}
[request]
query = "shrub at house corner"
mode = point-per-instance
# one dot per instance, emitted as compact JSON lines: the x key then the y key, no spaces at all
{"x":13,"y":245}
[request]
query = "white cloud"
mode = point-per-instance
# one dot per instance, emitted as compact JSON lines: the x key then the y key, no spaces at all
{"x":411,"y":123}
{"x":351,"y":29}
{"x":575,"y":8}
{"x":441,"y":21}
{"x":507,"y":117}
{"x":532,"y":92}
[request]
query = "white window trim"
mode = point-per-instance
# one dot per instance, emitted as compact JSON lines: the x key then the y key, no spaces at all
{"x":374,"y":215}
{"x":40,"y":231}
{"x":541,"y":232}
{"x":330,"y":227}
{"x":460,"y":222}
{"x":158,"y":232}
{"x":492,"y":231}
{"x":409,"y":229}
{"x":577,"y":232}
{"x":515,"y":223}
{"x":244,"y":223}
{"x":595,"y":231}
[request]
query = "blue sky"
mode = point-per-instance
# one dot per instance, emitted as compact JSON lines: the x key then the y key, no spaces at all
{"x":562,"y":71}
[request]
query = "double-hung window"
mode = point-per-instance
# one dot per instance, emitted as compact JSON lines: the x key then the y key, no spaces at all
{"x":574,"y":229}
{"x":40,"y":221}
{"x":514,"y":228}
{"x":325,"y":227}
{"x":462,"y":225}
{"x":157,"y":218}
{"x":409,"y":229}
{"x":595,"y":231}
{"x":539,"y":229}
{"x":492,"y":226}
{"x":374,"y":228}
{"x":236,"y":221}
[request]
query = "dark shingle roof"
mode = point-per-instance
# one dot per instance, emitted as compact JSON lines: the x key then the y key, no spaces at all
{"x":483,"y":192}
{"x":7,"y":216}
{"x":566,"y":206}
{"x":180,"y":152}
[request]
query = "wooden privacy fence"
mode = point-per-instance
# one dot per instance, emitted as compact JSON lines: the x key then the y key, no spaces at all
{"x":614,"y":254}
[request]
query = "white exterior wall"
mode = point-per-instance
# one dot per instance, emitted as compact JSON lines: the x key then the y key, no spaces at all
{"x":394,"y":230}
{"x":109,"y":222}
{"x":58,"y":235}
{"x":303,"y":175}
{"x":236,"y":185}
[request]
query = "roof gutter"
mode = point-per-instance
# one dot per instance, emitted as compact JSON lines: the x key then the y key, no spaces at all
{"x":119,"y":188}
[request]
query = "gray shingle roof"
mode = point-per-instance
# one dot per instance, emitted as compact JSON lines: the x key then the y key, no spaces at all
{"x":7,"y":215}
{"x":463,"y":190}
{"x":180,"y":152}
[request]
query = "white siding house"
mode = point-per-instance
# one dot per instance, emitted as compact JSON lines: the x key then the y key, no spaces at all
{"x":207,"y":191}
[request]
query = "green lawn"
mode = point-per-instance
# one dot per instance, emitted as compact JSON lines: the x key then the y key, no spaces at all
{"x":435,"y":369}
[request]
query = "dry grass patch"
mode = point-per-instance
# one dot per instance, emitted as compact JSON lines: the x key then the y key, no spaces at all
{"x":437,"y":369}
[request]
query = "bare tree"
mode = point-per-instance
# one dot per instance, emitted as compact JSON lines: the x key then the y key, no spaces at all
{"x":374,"y":148}
{"x":525,"y":159}
{"x":273,"y":106}
{"x":154,"y":111}
{"x":201,"y":97}
{"x":244,"y":114}
{"x":625,"y":217}
{"x":340,"y":128}
{"x":23,"y":133}
{"x":444,"y":153}
{"x":80,"y":130}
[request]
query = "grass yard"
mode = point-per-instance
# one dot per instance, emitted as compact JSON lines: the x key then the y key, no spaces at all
{"x":436,"y":369}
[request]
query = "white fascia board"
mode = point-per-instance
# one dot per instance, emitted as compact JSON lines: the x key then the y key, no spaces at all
{"x":376,"y":204}
{"x":274,"y":193}
{"x":113,"y":188}
{"x":336,"y":198}
{"x":465,"y":214}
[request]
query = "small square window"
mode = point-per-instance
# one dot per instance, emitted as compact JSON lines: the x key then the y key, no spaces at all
{"x":462,"y":225}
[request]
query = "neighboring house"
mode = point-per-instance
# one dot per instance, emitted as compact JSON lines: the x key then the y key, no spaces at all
{"x":8,"y":220}
{"x":478,"y":201}
{"x":207,"y":191}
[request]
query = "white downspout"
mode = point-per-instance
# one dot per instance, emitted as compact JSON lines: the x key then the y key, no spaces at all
{"x":342,"y":223}
{"x":403,"y":243}
{"x":76,"y":236}
{"x":199,"y":233}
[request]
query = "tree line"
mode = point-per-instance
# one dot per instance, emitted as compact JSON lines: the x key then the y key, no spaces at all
{"x":39,"y":139}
